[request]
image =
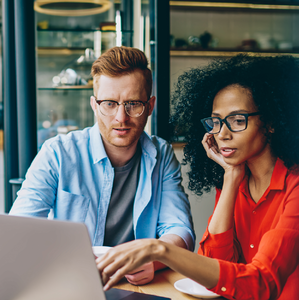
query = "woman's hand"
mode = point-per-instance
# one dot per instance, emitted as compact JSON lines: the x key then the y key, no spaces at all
{"x":222,"y":218}
{"x":212,"y":150}
{"x":124,"y":259}
{"x":234,"y":172}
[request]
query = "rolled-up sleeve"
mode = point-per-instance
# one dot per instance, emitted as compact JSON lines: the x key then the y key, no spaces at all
{"x":38,"y":192}
{"x":175,"y":214}
{"x":266,"y":275}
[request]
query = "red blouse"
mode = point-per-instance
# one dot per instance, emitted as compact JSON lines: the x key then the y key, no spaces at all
{"x":259,"y":257}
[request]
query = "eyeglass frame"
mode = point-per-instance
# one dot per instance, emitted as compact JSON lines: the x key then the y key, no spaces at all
{"x":124,"y":104}
{"x":246,"y":115}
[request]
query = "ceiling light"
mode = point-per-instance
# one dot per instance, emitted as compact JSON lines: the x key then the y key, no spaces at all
{"x":72,"y":7}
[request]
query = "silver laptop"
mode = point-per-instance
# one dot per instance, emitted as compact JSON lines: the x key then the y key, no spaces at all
{"x":43,"y":259}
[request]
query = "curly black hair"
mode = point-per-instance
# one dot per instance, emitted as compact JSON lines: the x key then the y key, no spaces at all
{"x":274,"y":85}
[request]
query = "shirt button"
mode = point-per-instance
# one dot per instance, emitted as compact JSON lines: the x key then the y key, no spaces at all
{"x":251,"y":246}
{"x":254,"y":212}
{"x":223,"y":289}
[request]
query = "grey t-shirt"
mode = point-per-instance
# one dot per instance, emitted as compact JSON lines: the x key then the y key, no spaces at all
{"x":119,"y":221}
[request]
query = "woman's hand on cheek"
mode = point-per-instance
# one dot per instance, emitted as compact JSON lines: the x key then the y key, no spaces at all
{"x":211,"y":147}
{"x":212,"y":150}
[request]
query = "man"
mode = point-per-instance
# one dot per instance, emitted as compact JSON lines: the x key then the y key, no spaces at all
{"x":122,"y":183}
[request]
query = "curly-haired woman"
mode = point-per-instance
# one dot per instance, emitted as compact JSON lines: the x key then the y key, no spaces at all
{"x":249,"y":108}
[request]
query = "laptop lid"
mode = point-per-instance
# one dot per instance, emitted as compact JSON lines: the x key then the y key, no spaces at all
{"x":43,"y":259}
{"x":46,"y":259}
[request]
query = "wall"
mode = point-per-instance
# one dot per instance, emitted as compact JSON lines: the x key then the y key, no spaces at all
{"x":201,"y":207}
{"x":178,"y":65}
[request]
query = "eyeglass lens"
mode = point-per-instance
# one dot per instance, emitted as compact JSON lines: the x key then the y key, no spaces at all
{"x":234,"y":123}
{"x":133,"y":108}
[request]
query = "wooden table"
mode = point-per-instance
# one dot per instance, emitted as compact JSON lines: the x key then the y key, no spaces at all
{"x":162,"y":285}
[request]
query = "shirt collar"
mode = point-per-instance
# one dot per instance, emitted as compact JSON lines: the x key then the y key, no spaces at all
{"x":277,"y":179}
{"x":98,"y":150}
{"x":279,"y":175}
{"x":147,"y":145}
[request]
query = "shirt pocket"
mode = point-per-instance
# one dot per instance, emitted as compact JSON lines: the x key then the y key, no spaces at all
{"x":71,"y":206}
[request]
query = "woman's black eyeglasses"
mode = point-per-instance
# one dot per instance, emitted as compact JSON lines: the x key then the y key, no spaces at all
{"x":234,"y":122}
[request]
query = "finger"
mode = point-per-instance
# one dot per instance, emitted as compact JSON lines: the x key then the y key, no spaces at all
{"x":105,"y":277}
{"x":109,"y":271}
{"x":205,"y":138}
{"x":103,"y":258}
{"x":117,"y":267}
{"x":214,"y":149}
{"x":112,"y":279}
{"x":118,"y":275}
{"x":138,"y":270}
{"x":205,"y":142}
{"x":105,"y":268}
{"x":208,"y":141}
{"x":212,"y":143}
{"x":137,"y":276}
{"x":141,"y":282}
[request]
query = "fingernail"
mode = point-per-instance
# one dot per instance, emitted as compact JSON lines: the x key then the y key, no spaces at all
{"x":106,"y":287}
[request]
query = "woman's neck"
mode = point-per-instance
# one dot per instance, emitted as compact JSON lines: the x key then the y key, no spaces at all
{"x":261,"y":170}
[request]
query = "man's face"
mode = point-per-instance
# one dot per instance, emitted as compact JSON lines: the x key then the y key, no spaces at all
{"x":121,"y":130}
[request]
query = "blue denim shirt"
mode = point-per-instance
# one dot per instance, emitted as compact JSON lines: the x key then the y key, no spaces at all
{"x":73,"y":176}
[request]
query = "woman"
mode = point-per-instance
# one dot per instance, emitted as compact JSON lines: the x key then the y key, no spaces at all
{"x":249,"y":108}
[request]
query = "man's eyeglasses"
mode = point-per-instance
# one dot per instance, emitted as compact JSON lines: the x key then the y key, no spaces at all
{"x":133,"y":108}
{"x":234,"y":122}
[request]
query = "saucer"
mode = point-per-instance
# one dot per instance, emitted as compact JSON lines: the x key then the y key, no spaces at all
{"x":194,"y":289}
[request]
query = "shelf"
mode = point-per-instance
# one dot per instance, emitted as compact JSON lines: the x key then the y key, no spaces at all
{"x":67,"y":87}
{"x":178,"y":144}
{"x":215,"y":53}
{"x":231,"y":5}
{"x":60,"y":51}
{"x":78,"y":39}
{"x":80,"y":30}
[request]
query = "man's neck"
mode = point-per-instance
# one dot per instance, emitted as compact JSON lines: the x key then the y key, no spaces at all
{"x":120,"y":156}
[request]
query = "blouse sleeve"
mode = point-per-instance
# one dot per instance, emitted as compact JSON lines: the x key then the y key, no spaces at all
{"x":222,"y":246}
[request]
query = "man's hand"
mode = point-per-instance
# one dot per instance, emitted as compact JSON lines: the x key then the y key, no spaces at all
{"x":142,"y":275}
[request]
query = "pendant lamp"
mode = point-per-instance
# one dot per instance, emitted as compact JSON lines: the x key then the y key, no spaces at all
{"x":72,"y":8}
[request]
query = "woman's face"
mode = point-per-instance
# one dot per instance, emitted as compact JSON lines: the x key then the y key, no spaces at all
{"x":243,"y":146}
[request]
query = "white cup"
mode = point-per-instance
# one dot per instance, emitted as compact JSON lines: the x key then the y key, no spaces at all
{"x":98,"y":251}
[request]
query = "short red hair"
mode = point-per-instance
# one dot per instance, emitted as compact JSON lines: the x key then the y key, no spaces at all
{"x":122,"y":60}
